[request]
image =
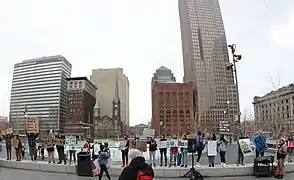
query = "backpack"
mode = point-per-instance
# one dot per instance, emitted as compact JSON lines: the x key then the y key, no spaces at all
{"x":141,"y":175}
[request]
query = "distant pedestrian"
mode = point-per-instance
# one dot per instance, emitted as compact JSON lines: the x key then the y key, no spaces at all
{"x":184,"y":154}
{"x":50,"y":149}
{"x":199,"y":148}
{"x":290,"y":148}
{"x":163,"y":151}
{"x":60,"y":150}
{"x":281,"y":155}
{"x":174,"y":152}
{"x":211,"y":158}
{"x":0,"y":143}
{"x":222,"y":146}
{"x":125,"y":151}
{"x":32,"y":145}
{"x":240,"y":153}
{"x":17,"y":146}
{"x":106,"y":147}
{"x":152,"y":151}
{"x":8,"y":143}
{"x":138,"y":168}
{"x":102,"y":160}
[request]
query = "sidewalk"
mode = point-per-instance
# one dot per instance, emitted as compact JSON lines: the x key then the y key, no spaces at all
{"x":160,"y":172}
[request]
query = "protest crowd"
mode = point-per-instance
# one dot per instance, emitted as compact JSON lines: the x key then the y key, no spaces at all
{"x":132,"y":150}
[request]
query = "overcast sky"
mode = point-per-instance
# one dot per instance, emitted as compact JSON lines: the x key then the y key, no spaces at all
{"x":140,"y":36}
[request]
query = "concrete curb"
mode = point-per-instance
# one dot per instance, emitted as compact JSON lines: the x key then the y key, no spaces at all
{"x":173,"y":172}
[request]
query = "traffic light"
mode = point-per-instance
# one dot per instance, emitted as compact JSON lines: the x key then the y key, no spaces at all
{"x":161,"y":123}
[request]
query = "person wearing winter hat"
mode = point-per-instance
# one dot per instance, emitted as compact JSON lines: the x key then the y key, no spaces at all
{"x":138,"y":168}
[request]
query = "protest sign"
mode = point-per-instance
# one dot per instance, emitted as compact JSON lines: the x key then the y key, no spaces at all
{"x":162,"y":144}
{"x":245,"y":146}
{"x":183,"y":143}
{"x":211,"y":148}
{"x":260,"y":143}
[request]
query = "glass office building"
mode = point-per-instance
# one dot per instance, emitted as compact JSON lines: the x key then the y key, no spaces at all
{"x":39,"y":89}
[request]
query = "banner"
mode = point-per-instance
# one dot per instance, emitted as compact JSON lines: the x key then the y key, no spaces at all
{"x":70,"y":140}
{"x":173,"y":143}
{"x":260,"y":143}
{"x":148,"y":132}
{"x":245,"y":146}
{"x":183,"y":143}
{"x":290,"y":144}
{"x":162,"y":144}
{"x":211,"y":148}
{"x":58,"y":141}
{"x":122,"y":145}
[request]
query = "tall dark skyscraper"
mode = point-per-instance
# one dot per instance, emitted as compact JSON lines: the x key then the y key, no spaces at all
{"x":205,"y":57}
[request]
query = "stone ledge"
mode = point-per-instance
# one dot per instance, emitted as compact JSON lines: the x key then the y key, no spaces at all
{"x":160,"y":172}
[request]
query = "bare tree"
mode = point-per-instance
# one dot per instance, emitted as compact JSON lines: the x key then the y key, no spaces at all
{"x":273,"y":123}
{"x":248,"y":125}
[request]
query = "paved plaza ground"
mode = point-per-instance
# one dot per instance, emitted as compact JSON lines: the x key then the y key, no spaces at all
{"x":14,"y":174}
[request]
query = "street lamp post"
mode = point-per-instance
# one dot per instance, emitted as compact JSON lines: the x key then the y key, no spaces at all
{"x":233,"y":67}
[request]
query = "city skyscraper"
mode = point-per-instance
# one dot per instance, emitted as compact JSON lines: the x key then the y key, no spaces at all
{"x":39,"y":88}
{"x":106,"y":81}
{"x":205,"y":57}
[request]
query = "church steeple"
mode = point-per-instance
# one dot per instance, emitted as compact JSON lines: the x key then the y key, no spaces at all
{"x":116,"y":116}
{"x":116,"y":98}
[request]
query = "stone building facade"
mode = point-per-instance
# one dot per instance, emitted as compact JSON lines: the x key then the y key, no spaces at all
{"x":275,"y":110}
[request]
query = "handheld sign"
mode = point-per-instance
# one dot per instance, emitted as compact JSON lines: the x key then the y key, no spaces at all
{"x":162,"y":144}
{"x":59,"y":142}
{"x":32,"y":125}
{"x":183,"y":143}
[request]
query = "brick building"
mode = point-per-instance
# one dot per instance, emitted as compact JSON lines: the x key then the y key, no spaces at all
{"x":81,"y":100}
{"x":172,"y":108}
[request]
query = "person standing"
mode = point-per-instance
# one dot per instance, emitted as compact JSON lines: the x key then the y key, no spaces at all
{"x":32,"y":145}
{"x":281,"y":155}
{"x":50,"y":149}
{"x":290,"y":148}
{"x":17,"y":146}
{"x":199,"y":148}
{"x":184,"y":154}
{"x":222,"y":146}
{"x":60,"y":151}
{"x":8,"y":144}
{"x":240,"y":153}
{"x":106,"y":147}
{"x":102,"y":160}
{"x":72,"y":154}
{"x":152,"y":151}
{"x":211,"y":158}
{"x":0,"y":143}
{"x":95,"y":153}
{"x":163,"y":151}
{"x":174,"y":152}
{"x":125,"y":152}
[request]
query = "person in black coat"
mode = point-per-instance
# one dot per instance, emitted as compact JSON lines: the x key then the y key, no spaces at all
{"x":137,"y":165}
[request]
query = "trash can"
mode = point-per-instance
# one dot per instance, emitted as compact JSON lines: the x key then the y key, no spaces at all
{"x":84,"y":167}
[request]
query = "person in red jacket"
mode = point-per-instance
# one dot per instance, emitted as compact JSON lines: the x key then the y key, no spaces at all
{"x":174,"y":152}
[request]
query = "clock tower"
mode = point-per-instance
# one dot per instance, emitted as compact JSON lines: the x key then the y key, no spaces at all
{"x":116,"y":116}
